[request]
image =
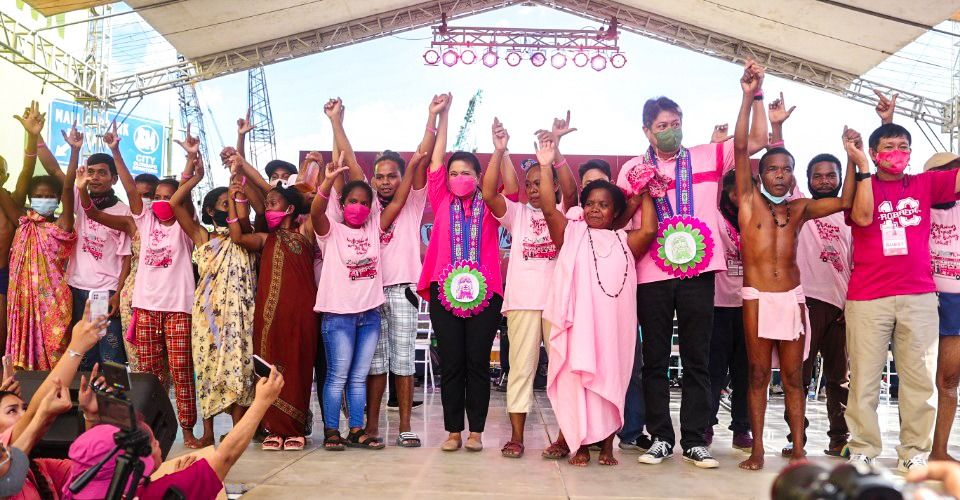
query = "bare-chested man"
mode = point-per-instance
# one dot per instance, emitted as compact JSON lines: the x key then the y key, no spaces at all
{"x":773,"y":301}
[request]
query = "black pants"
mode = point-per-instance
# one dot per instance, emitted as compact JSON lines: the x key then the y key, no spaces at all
{"x":728,"y":353}
{"x":692,"y":301}
{"x":464,"y":346}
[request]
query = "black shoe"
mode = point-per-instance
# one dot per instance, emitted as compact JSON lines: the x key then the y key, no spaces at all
{"x":393,"y":406}
{"x":657,"y":452}
{"x":700,"y":457}
{"x":416,"y":404}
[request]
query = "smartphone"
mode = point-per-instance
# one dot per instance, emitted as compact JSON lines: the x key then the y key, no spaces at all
{"x":260,"y":367}
{"x":117,"y":377}
{"x":99,"y":306}
{"x":116,"y":411}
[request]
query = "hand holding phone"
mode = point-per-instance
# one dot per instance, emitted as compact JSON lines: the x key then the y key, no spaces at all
{"x":99,"y":306}
{"x":260,"y":367}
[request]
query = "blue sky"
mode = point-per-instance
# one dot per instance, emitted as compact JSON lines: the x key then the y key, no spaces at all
{"x":386,"y":87}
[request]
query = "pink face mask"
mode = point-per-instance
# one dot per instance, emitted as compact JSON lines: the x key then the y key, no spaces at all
{"x":275,"y":217}
{"x":893,"y":162}
{"x":356,"y":213}
{"x":162,"y":209}
{"x":463,"y":185}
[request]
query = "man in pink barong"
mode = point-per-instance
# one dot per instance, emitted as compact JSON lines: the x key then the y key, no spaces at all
{"x":774,"y":312}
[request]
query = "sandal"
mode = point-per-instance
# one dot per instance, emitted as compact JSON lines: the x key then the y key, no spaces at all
{"x":556,"y":451}
{"x":356,"y":440}
{"x":408,"y":440}
{"x":272,"y":443}
{"x":513,"y":449}
{"x":294,"y":443}
{"x":332,"y":441}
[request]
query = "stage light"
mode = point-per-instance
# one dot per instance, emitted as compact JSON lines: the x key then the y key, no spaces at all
{"x":468,"y":57}
{"x":490,"y":59}
{"x":513,"y":58}
{"x":580,"y":59}
{"x":558,"y":60}
{"x":431,"y":57}
{"x":597,"y":62}
{"x":537,"y":59}
{"x":450,"y":57}
{"x":618,"y":60}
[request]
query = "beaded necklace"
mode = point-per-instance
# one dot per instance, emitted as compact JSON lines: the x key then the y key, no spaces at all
{"x":596,"y":267}
{"x":774,"y":214}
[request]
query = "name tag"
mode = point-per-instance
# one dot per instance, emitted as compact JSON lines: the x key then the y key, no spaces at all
{"x":894,"y":240}
{"x":734,"y":267}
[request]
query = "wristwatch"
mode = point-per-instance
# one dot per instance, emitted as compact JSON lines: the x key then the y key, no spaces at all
{"x":862,"y":175}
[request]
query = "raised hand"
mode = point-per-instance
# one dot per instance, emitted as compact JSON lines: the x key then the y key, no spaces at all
{"x":446,"y":99}
{"x":110,"y":138}
{"x":87,"y":399}
{"x":57,"y":401}
{"x":244,"y":125}
{"x":32,"y":119}
{"x":853,"y":144}
{"x":437,"y":104}
{"x":778,"y":111}
{"x":561,"y":127}
{"x":720,"y":133}
{"x":74,"y":138}
{"x":198,"y":167}
{"x":226,"y":154}
{"x":546,"y":152}
{"x":335,"y":169}
{"x":334,"y":109}
{"x":752,"y":79}
{"x":82,"y":178}
{"x":886,"y":106}
{"x":500,"y":136}
{"x":189,"y":144}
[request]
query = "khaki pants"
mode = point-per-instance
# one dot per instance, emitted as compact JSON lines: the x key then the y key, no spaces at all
{"x":911,"y":322}
{"x":525,"y":329}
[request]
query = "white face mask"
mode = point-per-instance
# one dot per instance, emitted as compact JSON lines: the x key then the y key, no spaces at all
{"x":147,"y":203}
{"x":44,"y":206}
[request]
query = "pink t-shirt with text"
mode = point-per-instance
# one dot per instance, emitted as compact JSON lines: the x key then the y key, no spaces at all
{"x":945,"y":248}
{"x":165,"y":270}
{"x":823,"y":256}
{"x":729,"y":281}
{"x":400,"y":243}
{"x":438,"y":251}
{"x":532,"y":257}
{"x":709,"y":163}
{"x":903,"y":204}
{"x":351,"y":281}
{"x":98,"y":255}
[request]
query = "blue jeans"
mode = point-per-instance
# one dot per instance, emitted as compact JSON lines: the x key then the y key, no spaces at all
{"x":633,"y":408}
{"x":108,"y":348}
{"x":350,"y":341}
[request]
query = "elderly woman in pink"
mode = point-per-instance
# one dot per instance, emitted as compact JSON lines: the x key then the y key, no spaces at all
{"x":590,"y":309}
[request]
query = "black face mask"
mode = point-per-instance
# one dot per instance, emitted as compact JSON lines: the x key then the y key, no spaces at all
{"x":818,"y":195}
{"x":945,"y":206}
{"x":220,"y":218}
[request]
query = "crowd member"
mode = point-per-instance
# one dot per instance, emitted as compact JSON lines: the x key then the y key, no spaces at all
{"x":7,"y":229}
{"x":41,"y":306}
{"x":892,"y":297}
{"x":728,"y":352}
{"x":461,"y":277}
{"x":163,"y":296}
{"x":588,"y":172}
{"x":661,"y":293}
{"x":945,"y":257}
{"x":593,"y":330}
{"x":147,"y":187}
{"x":223,"y":305}
{"x":823,"y":256}
{"x":532,"y":258}
{"x":774,"y":313}
{"x":101,"y":257}
{"x":285,"y":326}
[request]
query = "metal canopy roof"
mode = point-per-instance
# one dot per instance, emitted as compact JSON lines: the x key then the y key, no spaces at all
{"x":851,"y":36}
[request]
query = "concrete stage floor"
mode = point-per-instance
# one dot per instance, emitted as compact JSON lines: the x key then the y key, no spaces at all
{"x":428,"y":473}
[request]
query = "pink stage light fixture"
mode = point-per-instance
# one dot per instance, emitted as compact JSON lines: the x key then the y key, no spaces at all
{"x":468,"y":56}
{"x":431,"y":57}
{"x":618,"y":60}
{"x":513,"y":58}
{"x":538,"y":59}
{"x":490,"y":59}
{"x":580,"y":59}
{"x":558,"y":60}
{"x":597,"y":62}
{"x":450,"y":57}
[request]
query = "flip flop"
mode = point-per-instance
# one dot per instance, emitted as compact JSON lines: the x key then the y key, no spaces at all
{"x":408,"y":440}
{"x":294,"y":443}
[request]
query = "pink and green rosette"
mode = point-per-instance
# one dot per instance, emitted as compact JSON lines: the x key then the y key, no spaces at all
{"x":684,"y":246}
{"x":464,"y":290}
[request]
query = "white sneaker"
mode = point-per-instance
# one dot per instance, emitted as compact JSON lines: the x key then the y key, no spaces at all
{"x":860,"y":458}
{"x":917,"y":462}
{"x":656,"y":453}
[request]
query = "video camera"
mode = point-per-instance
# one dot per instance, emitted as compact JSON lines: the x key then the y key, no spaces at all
{"x":849,"y":481}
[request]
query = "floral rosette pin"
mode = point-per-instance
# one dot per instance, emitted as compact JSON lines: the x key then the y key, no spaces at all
{"x":683,"y":247}
{"x":464,"y":289}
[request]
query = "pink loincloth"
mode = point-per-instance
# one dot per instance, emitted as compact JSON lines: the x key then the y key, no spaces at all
{"x":781,"y":318}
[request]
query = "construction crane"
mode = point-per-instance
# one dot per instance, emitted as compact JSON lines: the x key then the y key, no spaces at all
{"x":192,"y":114}
{"x":262,"y":139}
{"x":464,"y":135}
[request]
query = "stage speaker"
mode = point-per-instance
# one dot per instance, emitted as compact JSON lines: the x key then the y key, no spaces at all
{"x":148,"y":398}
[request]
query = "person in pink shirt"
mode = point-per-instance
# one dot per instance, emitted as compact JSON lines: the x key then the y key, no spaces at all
{"x":164,"y":288}
{"x":682,"y":288}
{"x":532,"y":258}
{"x":892,"y":297}
{"x":589,"y":308}
{"x":461,"y":278}
{"x":823,"y":256}
{"x":945,"y":257}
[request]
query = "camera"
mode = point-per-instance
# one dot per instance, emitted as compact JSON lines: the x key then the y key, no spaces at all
{"x":849,"y":481}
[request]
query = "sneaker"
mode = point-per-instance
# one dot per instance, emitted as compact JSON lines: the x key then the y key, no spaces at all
{"x":700,"y":457}
{"x":657,"y":452}
{"x":393,"y":406}
{"x":917,"y":462}
{"x":644,"y":443}
{"x":860,"y":458}
{"x":708,"y":435}
{"x":416,"y":404}
{"x":743,"y":441}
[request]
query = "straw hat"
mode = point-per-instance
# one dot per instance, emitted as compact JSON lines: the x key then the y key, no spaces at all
{"x":939,"y":160}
